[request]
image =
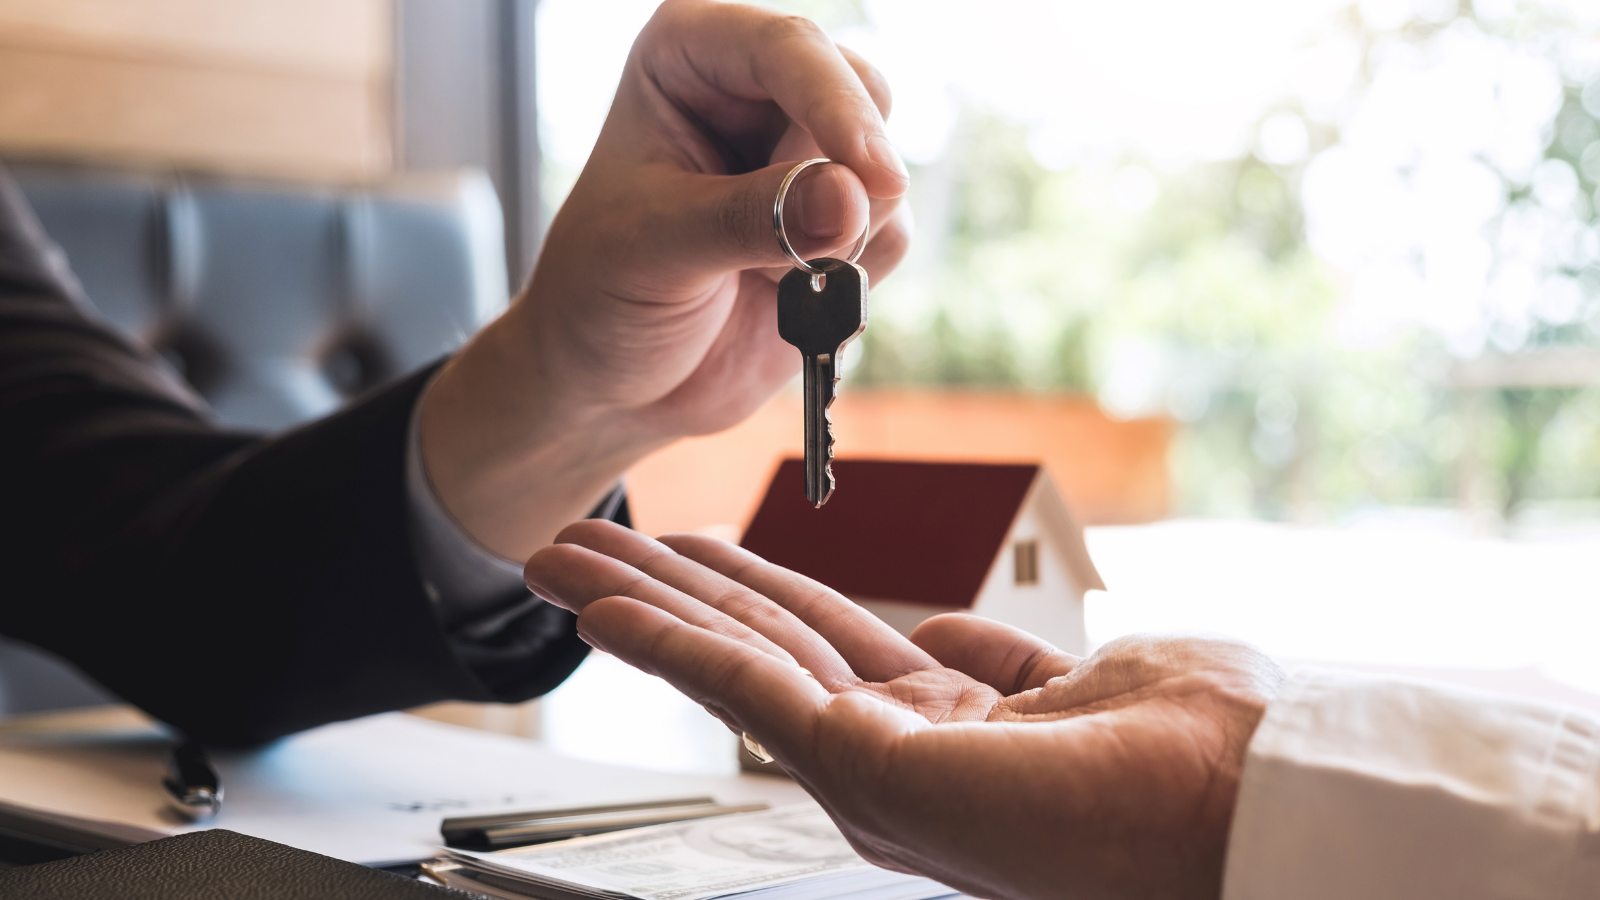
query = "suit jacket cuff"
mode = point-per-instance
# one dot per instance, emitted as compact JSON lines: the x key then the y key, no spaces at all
{"x":491,"y":619}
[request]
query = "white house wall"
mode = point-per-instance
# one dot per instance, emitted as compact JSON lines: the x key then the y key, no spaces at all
{"x":1058,"y":525}
{"x":1052,"y":608}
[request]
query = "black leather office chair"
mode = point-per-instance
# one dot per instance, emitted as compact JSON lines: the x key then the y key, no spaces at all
{"x":276,"y":302}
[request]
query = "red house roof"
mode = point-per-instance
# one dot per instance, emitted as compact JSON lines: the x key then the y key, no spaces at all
{"x":911,"y":531}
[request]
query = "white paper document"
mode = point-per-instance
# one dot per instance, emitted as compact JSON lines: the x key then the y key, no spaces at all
{"x":372,"y":791}
{"x":792,"y":853}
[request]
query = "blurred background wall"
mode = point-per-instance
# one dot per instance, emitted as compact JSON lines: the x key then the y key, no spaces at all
{"x":276,"y":87}
{"x":322,"y":91}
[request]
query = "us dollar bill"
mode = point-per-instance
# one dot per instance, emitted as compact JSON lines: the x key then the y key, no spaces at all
{"x":790,"y":853}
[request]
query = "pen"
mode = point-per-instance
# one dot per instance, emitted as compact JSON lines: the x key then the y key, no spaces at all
{"x":502,"y":830}
{"x":193,"y":789}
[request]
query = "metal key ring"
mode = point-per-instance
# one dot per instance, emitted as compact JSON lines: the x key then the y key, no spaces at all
{"x":783,"y":238}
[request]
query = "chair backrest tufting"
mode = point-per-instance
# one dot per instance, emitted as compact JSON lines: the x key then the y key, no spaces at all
{"x":276,"y":302}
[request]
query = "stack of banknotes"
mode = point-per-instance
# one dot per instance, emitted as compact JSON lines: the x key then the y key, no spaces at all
{"x":789,"y":853}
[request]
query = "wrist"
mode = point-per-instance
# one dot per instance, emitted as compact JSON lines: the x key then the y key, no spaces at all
{"x":513,"y":453}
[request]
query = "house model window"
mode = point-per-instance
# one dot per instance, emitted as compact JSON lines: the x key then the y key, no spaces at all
{"x":1025,"y":563}
{"x":908,"y":540}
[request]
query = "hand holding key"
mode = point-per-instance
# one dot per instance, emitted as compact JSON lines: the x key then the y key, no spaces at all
{"x":822,"y":306}
{"x":652,"y":312}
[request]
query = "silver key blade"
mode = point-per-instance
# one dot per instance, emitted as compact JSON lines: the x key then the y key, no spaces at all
{"x":820,"y":379}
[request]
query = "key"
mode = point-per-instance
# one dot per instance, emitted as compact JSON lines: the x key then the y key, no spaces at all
{"x":820,"y":315}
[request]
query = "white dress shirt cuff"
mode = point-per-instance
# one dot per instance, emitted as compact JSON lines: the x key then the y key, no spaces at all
{"x":464,"y":579}
{"x":1381,"y":789}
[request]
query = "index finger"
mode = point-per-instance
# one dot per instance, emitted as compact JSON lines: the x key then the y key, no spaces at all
{"x":683,"y":576}
{"x":573,"y":576}
{"x":874,"y":651}
{"x":758,"y":54}
{"x":747,"y":689}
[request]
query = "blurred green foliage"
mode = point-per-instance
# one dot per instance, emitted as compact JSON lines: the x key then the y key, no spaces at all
{"x":1035,"y":279}
{"x":1040,"y":274}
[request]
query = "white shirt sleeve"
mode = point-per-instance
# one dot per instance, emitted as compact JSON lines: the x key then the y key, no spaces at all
{"x":464,"y":579}
{"x":1363,"y":788}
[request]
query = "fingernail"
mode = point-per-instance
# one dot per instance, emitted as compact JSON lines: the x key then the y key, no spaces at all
{"x":818,"y":202}
{"x":883,"y":154}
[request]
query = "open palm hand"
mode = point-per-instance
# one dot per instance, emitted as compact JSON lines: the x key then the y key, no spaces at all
{"x":973,"y":753}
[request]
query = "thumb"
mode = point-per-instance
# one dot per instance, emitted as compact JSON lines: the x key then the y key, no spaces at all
{"x":1007,"y":659}
{"x":723,"y":223}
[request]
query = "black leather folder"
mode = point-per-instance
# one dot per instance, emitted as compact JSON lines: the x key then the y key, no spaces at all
{"x":211,"y":865}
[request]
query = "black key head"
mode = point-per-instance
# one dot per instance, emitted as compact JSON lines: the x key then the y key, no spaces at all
{"x":819,"y":322}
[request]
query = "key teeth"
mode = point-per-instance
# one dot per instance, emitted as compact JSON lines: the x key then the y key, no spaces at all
{"x":827,"y":467}
{"x":827,"y":485}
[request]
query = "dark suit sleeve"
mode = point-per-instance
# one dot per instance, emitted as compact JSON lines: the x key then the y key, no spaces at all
{"x":236,"y":586}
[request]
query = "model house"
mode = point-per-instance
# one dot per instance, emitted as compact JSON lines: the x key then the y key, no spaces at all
{"x":910,"y":540}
